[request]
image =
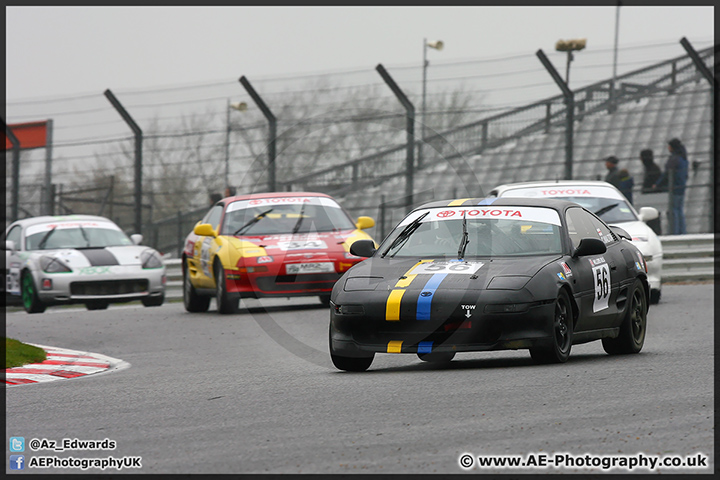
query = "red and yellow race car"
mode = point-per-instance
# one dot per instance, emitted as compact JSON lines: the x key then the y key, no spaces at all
{"x":284,"y":244}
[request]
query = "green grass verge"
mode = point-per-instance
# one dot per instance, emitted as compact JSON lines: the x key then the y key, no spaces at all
{"x":18,"y":353}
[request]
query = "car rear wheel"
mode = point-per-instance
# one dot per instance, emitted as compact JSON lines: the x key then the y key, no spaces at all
{"x":226,"y":302}
{"x":559,"y":350}
{"x":436,"y":357}
{"x":350,"y":364}
{"x":632,"y":331}
{"x":193,"y":302}
{"x":31,"y":302}
{"x":97,"y":305}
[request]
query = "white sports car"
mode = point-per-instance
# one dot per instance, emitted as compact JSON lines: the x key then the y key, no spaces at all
{"x":610,"y":205}
{"x":53,"y":260}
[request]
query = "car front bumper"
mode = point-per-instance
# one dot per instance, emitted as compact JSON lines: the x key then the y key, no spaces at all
{"x":352,"y":335}
{"x":120,"y":284}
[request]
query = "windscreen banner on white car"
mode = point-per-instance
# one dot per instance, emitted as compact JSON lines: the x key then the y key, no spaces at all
{"x":44,"y":227}
{"x":564,"y":191}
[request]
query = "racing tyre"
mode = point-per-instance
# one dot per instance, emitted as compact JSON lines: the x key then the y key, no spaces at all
{"x":97,"y":305}
{"x":559,"y":350}
{"x":632,"y":330}
{"x":226,"y":302}
{"x":325,"y":300}
{"x":30,"y":300}
{"x":654,"y":297}
{"x":436,"y":357}
{"x":153,"y":301}
{"x":193,"y":302}
{"x":350,"y":364}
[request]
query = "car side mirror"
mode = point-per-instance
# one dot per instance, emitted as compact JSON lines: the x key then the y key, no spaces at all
{"x":363,"y":248}
{"x":620,"y":232}
{"x":10,"y":245}
{"x":589,"y":246}
{"x":648,"y":214}
{"x":363,"y":223}
{"x":136,"y":238}
{"x":204,"y":230}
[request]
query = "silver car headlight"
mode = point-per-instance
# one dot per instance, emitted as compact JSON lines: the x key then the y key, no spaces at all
{"x":150,"y":259}
{"x":53,"y":265}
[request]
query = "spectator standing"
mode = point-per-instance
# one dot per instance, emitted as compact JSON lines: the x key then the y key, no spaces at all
{"x":625,"y":184}
{"x":214,"y":198}
{"x":652,"y":171}
{"x":676,"y":174}
{"x":613,"y":174}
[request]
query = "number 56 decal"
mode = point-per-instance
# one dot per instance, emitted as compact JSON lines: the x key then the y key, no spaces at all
{"x":467,"y":268}
{"x":601,"y":276}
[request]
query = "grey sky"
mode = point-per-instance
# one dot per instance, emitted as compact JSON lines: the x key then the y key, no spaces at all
{"x":61,"y":51}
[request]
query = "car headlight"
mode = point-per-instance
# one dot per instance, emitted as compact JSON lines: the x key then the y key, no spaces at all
{"x":508,"y":282}
{"x":507,"y":308}
{"x":53,"y":265}
{"x":347,"y":309}
{"x":150,"y":259}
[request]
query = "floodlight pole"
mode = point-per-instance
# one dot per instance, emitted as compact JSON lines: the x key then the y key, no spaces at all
{"x":570,"y":112}
{"x":410,"y":127}
{"x":615,"y":57}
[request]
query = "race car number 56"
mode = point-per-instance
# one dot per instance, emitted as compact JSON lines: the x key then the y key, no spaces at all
{"x":467,"y":268}
{"x":601,"y":274}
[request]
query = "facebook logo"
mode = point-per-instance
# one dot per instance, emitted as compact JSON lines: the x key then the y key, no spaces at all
{"x":17,"y":444}
{"x":17,"y":462}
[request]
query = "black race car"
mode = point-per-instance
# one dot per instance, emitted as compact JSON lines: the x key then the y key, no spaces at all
{"x":491,"y":274}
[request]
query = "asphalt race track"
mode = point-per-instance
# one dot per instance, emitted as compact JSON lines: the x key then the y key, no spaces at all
{"x":256,"y":393}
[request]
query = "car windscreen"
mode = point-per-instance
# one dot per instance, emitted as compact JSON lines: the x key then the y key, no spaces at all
{"x":284,"y":215}
{"x":500,"y":231}
{"x":74,"y":235}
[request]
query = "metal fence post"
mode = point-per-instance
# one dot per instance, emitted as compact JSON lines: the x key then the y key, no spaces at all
{"x":410,"y":112}
{"x":138,"y":156}
{"x":382,"y":216}
{"x":179,"y":234}
{"x":272,"y":134}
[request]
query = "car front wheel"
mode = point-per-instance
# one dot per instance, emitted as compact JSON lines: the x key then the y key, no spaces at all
{"x":350,"y":364}
{"x":153,"y":301}
{"x":436,"y":357}
{"x":226,"y":302}
{"x":559,"y":349}
{"x":97,"y":305}
{"x":30,"y":299}
{"x":193,"y":302}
